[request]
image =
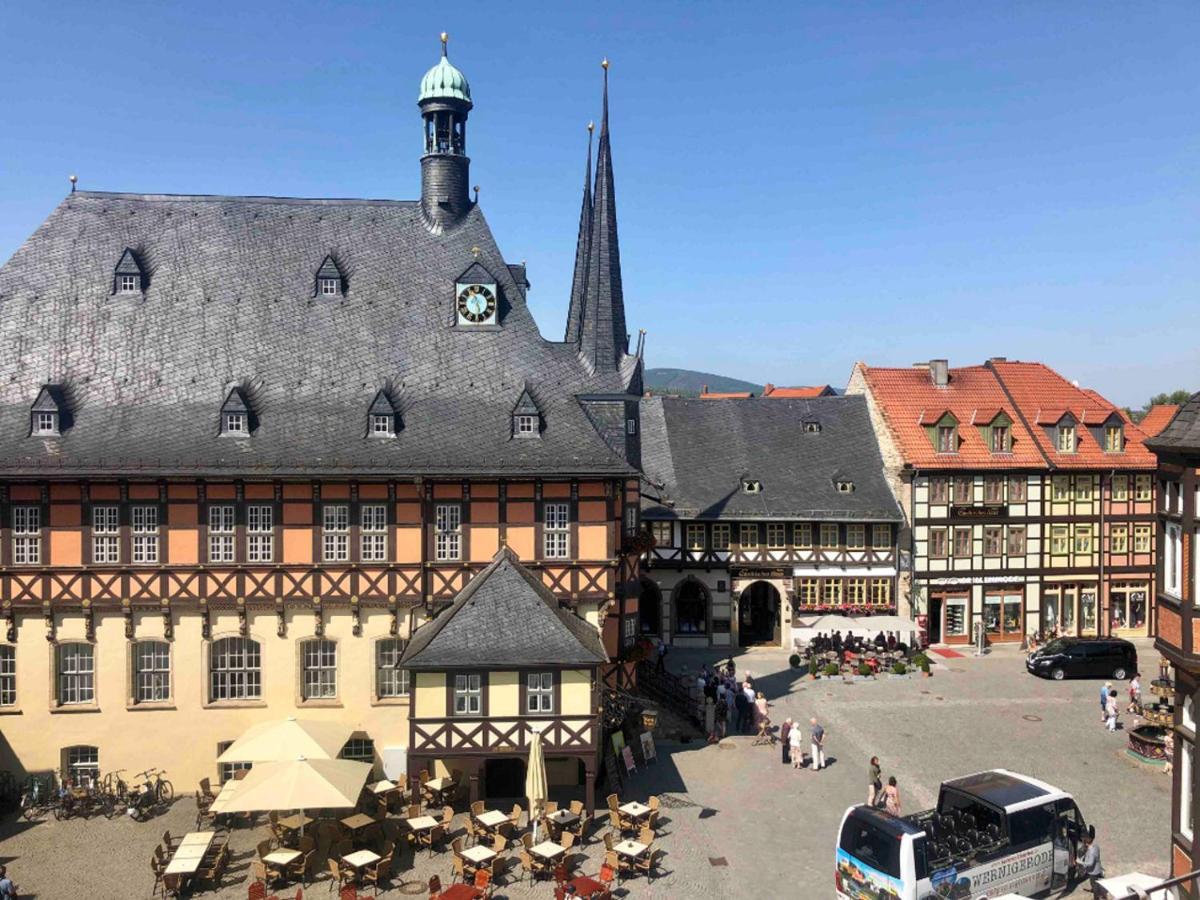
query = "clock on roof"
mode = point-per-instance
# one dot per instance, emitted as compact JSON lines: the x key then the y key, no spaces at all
{"x":476,"y":304}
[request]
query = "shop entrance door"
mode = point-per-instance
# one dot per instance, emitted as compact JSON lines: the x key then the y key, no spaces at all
{"x":758,"y":614}
{"x":935,"y":620}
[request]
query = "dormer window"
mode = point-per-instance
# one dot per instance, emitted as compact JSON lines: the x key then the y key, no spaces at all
{"x":237,"y":418}
{"x":45,"y":423}
{"x":752,"y":487}
{"x":128,"y":277}
{"x":235,"y":423}
{"x":330,"y":282}
{"x":1114,"y":439}
{"x":845,"y":486}
{"x":127,"y":284}
{"x":1066,"y":438}
{"x":812,"y":427}
{"x":381,"y":417}
{"x":526,"y":426}
{"x":526,"y":417}
{"x":1000,"y":439}
{"x":947,"y":439}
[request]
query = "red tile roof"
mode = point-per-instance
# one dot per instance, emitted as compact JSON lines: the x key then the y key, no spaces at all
{"x":908,"y":397}
{"x":1032,"y":395}
{"x":1158,"y":418}
{"x":798,"y":393}
{"x":1035,"y":387}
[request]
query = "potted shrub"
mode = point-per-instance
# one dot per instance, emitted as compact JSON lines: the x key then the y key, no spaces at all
{"x":831,"y":670}
{"x":864,"y":670}
{"x":923,"y":665}
{"x":814,"y":668}
{"x":900,"y":668}
{"x":794,"y":660}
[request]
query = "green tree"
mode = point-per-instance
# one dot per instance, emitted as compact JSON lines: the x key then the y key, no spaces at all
{"x":1176,"y":397}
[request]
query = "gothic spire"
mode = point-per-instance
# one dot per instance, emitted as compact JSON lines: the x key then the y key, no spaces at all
{"x":579,"y":281}
{"x":603,"y":339}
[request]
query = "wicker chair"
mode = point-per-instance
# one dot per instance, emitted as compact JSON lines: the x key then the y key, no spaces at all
{"x":157,"y":868}
{"x":500,"y":843}
{"x":648,"y":863}
{"x":472,"y":833}
{"x":477,"y":808}
{"x":458,"y":868}
{"x":515,"y":816}
{"x":339,"y":873}
{"x":567,"y":840}
{"x":379,"y":873}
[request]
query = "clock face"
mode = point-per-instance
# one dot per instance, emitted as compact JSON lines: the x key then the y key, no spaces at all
{"x":476,"y":304}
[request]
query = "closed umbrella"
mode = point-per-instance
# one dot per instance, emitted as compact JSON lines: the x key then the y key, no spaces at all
{"x":288,"y":739}
{"x":300,"y":784}
{"x":535,"y":781}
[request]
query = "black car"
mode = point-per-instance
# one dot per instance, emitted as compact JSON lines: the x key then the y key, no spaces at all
{"x":1084,"y":658}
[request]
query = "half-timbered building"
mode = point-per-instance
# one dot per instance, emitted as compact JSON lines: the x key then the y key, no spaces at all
{"x":249,"y":444}
{"x":1029,"y":501}
{"x":761,"y":511}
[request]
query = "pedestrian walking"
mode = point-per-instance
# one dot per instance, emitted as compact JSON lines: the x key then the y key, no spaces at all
{"x":817,"y":736}
{"x":722,"y":713}
{"x":710,"y":720}
{"x":796,"y":745}
{"x":8,"y":890}
{"x":1104,"y":701}
{"x":660,"y":665}
{"x":785,"y":733}
{"x":1089,"y":863}
{"x":1111,"y":711}
{"x":1135,"y":694}
{"x":891,"y":796}
{"x":874,"y":781}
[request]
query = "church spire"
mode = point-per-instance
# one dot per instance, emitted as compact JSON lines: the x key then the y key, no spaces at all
{"x":579,"y":281}
{"x":603,"y":340}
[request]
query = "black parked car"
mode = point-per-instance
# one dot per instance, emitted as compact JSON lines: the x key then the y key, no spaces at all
{"x":1084,"y":658}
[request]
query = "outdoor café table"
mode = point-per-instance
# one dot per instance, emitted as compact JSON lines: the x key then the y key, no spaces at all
{"x":561,"y":819}
{"x":460,"y":891}
{"x":491,"y":819}
{"x":357,"y":821}
{"x":631,"y":849}
{"x":478,"y":855}
{"x":586,"y":887}
{"x":635,"y":810}
{"x":360,"y":859}
{"x":281,"y":858}
{"x":548,"y":850}
{"x":422,"y":823}
{"x":190,"y":852}
{"x":296,"y":822}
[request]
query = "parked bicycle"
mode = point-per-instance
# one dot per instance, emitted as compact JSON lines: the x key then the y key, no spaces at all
{"x":145,"y":799}
{"x":82,"y":798}
{"x":38,"y":797}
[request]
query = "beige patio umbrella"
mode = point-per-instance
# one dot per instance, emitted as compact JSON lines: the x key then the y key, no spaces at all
{"x":300,"y":784}
{"x":535,"y":782}
{"x":288,"y":739}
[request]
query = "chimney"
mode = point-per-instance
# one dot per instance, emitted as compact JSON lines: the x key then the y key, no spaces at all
{"x":939,"y":372}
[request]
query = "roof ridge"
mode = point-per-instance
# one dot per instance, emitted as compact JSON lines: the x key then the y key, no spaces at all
{"x":252,"y":198}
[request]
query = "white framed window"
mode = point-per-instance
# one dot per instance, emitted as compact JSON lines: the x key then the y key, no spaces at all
{"x":381,"y":425}
{"x":390,"y":680}
{"x":260,"y":533}
{"x":526,"y":426}
{"x":720,"y":536}
{"x":144,"y":521}
{"x":447,"y":531}
{"x":76,"y":663}
{"x":631,"y":426}
{"x":802,"y":535}
{"x":8,"y":675}
{"x":229,"y":770}
{"x":695,"y":537}
{"x":881,"y":537}
{"x":776,"y":535}
{"x":373,"y":533}
{"x":539,"y":693}
{"x":947,"y":439}
{"x":128,"y":284}
{"x":359,"y":749}
{"x":82,"y":764}
{"x":856,"y":537}
{"x":1114,"y":438}
{"x":45,"y":423}
{"x":235,"y":670}
{"x":318,"y":669}
{"x":748,"y":535}
{"x":1187,"y":767}
{"x":151,"y":672}
{"x":829,"y":536}
{"x":1066,"y":439}
{"x":329,"y":287}
{"x":106,"y":535}
{"x":235,"y":423}
{"x":663,"y":533}
{"x":27,"y":535}
{"x":221,"y":534}
{"x":468,"y":695}
{"x":1173,"y":561}
{"x":556,"y":530}
{"x":335,"y":532}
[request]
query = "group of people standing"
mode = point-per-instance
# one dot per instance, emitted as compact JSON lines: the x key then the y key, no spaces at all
{"x":852,"y":643}
{"x":730,"y":706}
{"x":791,"y":735}
{"x":881,"y":795}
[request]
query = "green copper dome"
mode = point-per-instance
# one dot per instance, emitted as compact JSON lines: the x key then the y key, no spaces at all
{"x":444,"y":82}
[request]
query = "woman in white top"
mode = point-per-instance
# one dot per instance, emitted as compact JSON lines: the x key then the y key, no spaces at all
{"x":796,"y":746}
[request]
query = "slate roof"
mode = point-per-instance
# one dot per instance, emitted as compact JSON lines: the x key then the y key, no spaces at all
{"x":696,"y":453}
{"x":504,"y":617}
{"x":1183,"y":433}
{"x":1157,"y":418}
{"x":228,"y":302}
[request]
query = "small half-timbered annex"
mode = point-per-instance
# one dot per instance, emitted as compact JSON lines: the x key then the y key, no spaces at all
{"x":1029,"y":501}
{"x":762,"y":510}
{"x":503,"y":663}
{"x":248,"y":445}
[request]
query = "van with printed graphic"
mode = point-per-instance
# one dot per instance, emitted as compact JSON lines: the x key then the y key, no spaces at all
{"x":991,"y":833}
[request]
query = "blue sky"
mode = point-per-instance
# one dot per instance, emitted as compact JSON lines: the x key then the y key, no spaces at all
{"x":800,"y":185}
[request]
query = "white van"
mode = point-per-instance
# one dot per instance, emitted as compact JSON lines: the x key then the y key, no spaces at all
{"x":991,"y":834}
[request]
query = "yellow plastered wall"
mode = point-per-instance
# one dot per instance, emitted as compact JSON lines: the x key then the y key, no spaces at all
{"x":183,"y":546}
{"x":520,"y":539}
{"x":576,"y":692}
{"x":182,"y":736}
{"x":429,"y":697}
{"x":504,"y":697}
{"x":408,"y":544}
{"x":485,"y":541}
{"x":593,"y":542}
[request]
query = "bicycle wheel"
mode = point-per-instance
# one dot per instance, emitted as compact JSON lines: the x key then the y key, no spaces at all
{"x":165,"y":792}
{"x":28,"y":810}
{"x":60,"y":811}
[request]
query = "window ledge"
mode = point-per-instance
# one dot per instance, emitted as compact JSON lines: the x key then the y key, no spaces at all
{"x":391,"y":701}
{"x":11,"y":711}
{"x":75,"y":708}
{"x":322,"y":703}
{"x":235,"y":704}
{"x":148,"y":705}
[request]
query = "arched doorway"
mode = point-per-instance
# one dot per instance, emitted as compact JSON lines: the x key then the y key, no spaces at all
{"x":504,"y":776}
{"x":650,"y":609}
{"x":690,"y":608}
{"x":758,"y":614}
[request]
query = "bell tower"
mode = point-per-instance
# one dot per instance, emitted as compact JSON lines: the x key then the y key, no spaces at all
{"x":445,"y":102}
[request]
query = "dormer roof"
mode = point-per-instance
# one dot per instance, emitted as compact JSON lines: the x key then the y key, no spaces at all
{"x":935,"y":415}
{"x":526,"y":405}
{"x":382,"y":405}
{"x":476,"y":273}
{"x":235,"y":401}
{"x":51,"y":398}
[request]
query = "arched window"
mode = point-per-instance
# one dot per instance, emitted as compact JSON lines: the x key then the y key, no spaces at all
{"x":691,"y":608}
{"x":318,"y":669}
{"x":82,"y":764}
{"x":151,"y":672}
{"x":235,"y":670}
